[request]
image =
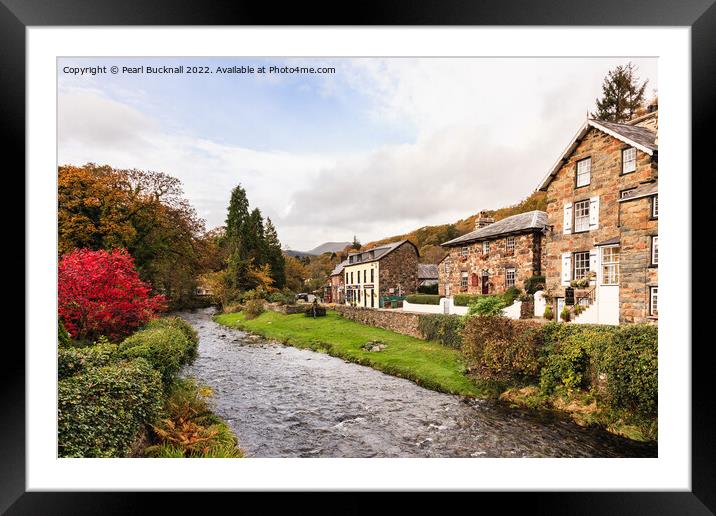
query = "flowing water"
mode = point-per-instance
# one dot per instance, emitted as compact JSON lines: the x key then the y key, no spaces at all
{"x":287,"y":402}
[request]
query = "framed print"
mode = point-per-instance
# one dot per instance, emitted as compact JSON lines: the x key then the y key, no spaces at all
{"x":419,"y":253}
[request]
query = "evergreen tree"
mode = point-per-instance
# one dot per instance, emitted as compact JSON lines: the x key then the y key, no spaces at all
{"x":238,"y":261}
{"x":254,"y":237}
{"x":274,"y":255}
{"x":622,"y":95}
{"x":356,"y":243}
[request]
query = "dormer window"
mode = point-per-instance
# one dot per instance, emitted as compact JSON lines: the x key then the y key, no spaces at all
{"x":584,"y":172}
{"x":628,"y":160}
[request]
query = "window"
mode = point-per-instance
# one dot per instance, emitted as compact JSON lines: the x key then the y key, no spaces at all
{"x":626,"y":193}
{"x":509,"y":278}
{"x":464,"y":250}
{"x":485,"y":247}
{"x":447,"y":267}
{"x":655,"y":250}
{"x":584,"y":172}
{"x":351,"y":277}
{"x":655,"y":206}
{"x":628,"y":160}
{"x":372,"y":275}
{"x":581,"y":216}
{"x":581,"y":265}
{"x":510,"y":244}
{"x":610,"y":266}
{"x":365,"y":275}
{"x":653,"y":304}
{"x":463,"y":279}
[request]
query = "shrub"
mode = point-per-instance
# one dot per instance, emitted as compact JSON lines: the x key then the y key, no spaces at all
{"x":465,"y":299}
{"x":569,"y":361}
{"x":71,"y":361}
{"x":282,"y":298}
{"x":101,"y":411}
{"x":441,"y":327}
{"x":253,"y":308}
{"x":631,"y":367}
{"x":564,"y":314}
{"x":164,"y":348}
{"x":487,"y":306}
{"x":534,"y":283}
{"x":187,"y":329}
{"x":423,"y":299}
{"x":500,"y":347}
{"x":428,"y":289}
{"x":510,"y":295}
{"x":100,"y":293}
{"x":63,"y":338}
{"x":548,"y":313}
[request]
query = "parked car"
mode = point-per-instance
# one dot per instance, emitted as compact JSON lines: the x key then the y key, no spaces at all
{"x":308,"y":298}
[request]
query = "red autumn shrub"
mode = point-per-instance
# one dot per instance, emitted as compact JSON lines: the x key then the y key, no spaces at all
{"x":100,"y":293}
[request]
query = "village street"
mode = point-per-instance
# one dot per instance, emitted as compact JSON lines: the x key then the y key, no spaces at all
{"x":287,"y":402}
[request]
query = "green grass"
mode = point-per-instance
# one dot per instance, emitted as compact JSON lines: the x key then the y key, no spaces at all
{"x":426,"y":363}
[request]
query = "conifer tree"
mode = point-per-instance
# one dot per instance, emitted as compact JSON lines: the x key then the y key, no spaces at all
{"x":622,"y":95}
{"x":274,"y":255}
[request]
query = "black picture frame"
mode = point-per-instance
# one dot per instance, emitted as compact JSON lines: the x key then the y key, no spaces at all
{"x":700,"y":15}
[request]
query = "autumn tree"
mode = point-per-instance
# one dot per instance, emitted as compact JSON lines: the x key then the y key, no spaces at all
{"x":622,"y":95}
{"x":101,"y":293}
{"x":296,"y":273}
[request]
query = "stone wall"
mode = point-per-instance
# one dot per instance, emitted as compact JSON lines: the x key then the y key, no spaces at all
{"x":399,"y":271}
{"x":607,"y":182}
{"x":637,"y":274}
{"x":405,"y":323}
{"x":525,"y":259}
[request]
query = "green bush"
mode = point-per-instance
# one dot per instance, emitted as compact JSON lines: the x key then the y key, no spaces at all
{"x":428,"y":289}
{"x":71,"y":361}
{"x":101,"y":411}
{"x":499,"y":347}
{"x":187,"y":329}
{"x":164,"y":348}
{"x":282,"y":298}
{"x":63,"y":338}
{"x":548,"y":313}
{"x":423,"y":299}
{"x":564,"y":314}
{"x":441,"y":327}
{"x":534,"y":283}
{"x":631,"y":366}
{"x":510,"y":295}
{"x":465,"y":299}
{"x":253,"y":308}
{"x":487,"y":306}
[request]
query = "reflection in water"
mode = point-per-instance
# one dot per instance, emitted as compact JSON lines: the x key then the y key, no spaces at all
{"x":288,"y":402}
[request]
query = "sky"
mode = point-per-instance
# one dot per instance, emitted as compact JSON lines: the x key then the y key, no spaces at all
{"x":377,"y":148}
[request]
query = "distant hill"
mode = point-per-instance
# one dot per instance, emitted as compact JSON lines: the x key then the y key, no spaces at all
{"x":298,"y":254}
{"x":429,"y":238}
{"x":329,"y":247}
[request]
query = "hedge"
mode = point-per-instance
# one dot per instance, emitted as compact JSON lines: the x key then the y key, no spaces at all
{"x":423,"y":299}
{"x":441,"y":327}
{"x":166,"y":349}
{"x":63,"y":338}
{"x":465,"y":299}
{"x":428,"y":289}
{"x":187,"y":329}
{"x":71,"y":361}
{"x":534,"y":283}
{"x":101,"y":410}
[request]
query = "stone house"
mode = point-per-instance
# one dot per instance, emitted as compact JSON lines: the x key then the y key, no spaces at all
{"x":387,"y":270}
{"x":336,"y":286}
{"x":493,"y":257}
{"x":602,"y":212}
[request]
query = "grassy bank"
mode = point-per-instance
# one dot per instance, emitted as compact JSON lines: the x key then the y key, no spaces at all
{"x":426,"y":363}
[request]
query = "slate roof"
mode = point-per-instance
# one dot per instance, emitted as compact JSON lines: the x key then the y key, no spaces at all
{"x":640,"y":191}
{"x":427,"y":271}
{"x":378,"y":252}
{"x":611,"y":241}
{"x":520,"y":223}
{"x":637,"y":134}
{"x":339,"y":268}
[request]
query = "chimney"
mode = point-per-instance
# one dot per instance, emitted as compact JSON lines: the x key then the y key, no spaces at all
{"x":483,"y":220}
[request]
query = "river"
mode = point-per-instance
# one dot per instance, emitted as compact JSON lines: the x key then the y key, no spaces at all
{"x":287,"y":402}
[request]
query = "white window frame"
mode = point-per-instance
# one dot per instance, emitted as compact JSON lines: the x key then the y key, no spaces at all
{"x":464,"y":251}
{"x":625,"y":193}
{"x":575,"y":262}
{"x":463,"y":279}
{"x":655,"y":207}
{"x":511,"y":283}
{"x":510,"y":244}
{"x":584,"y":170}
{"x":655,"y":250}
{"x":654,"y":301}
{"x":581,"y":221}
{"x":486,"y":247}
{"x":628,"y":162}
{"x":610,"y":266}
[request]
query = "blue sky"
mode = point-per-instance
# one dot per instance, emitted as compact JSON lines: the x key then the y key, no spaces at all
{"x":380,"y":147}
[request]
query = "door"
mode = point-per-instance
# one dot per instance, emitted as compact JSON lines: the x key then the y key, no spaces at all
{"x":608,"y":285}
{"x":485,"y":283}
